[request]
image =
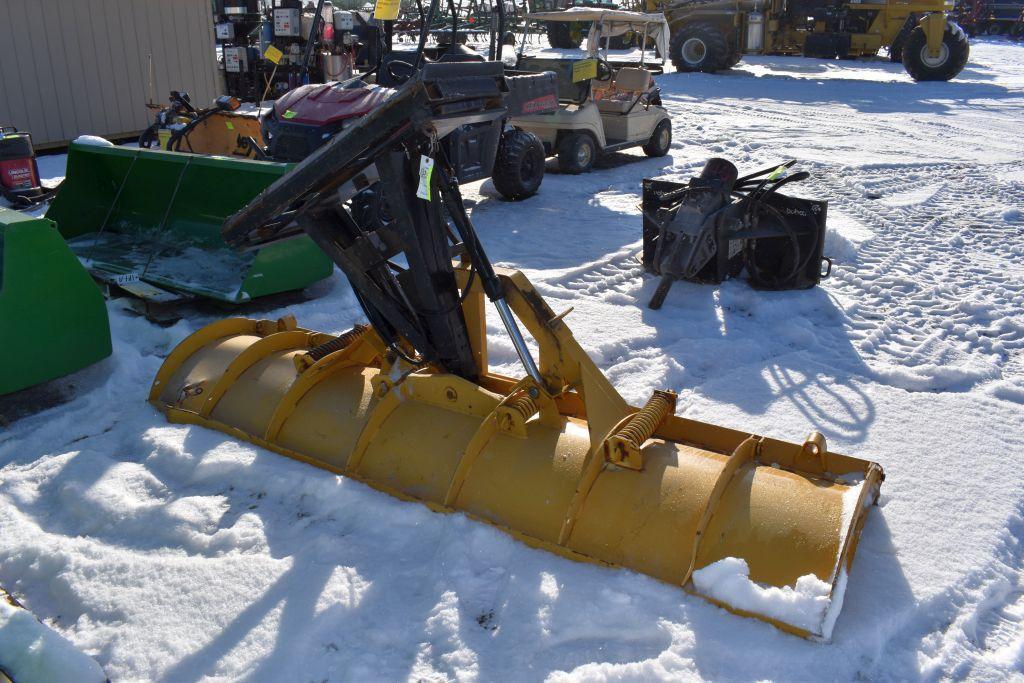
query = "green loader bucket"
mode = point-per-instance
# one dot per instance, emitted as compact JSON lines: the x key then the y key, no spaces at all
{"x":154,"y":216}
{"x":52,"y":317}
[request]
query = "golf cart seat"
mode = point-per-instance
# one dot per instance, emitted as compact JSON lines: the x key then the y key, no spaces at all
{"x":631,"y":84}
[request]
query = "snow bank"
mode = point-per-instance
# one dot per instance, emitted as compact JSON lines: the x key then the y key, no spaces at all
{"x":32,"y":653}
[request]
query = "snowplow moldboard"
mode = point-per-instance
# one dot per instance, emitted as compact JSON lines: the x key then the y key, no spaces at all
{"x":155,"y":216}
{"x":52,"y":317}
{"x":763,"y":527}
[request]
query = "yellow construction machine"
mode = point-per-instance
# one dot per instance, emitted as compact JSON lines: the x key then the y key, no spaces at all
{"x":555,"y":458}
{"x":711,"y":35}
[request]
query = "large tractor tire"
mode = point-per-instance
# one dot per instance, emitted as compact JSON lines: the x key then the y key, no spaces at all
{"x":995,"y":28}
{"x":700,"y":47}
{"x":896,"y":48}
{"x":952,"y":57}
{"x":564,"y":35}
{"x":519,"y":166}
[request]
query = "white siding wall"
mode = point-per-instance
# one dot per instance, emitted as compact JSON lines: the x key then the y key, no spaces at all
{"x":73,"y":67}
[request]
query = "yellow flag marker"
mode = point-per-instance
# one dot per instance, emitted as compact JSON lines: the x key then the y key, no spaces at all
{"x":273,"y":55}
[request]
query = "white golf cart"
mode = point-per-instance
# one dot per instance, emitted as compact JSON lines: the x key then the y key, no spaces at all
{"x":603,"y":107}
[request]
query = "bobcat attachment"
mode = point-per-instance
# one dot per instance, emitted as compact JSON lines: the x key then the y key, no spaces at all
{"x":717,"y":225}
{"x":148,"y":221}
{"x":555,"y":458}
{"x":52,"y":317}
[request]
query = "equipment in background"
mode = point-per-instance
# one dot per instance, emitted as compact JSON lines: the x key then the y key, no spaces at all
{"x":985,"y":17}
{"x":267,"y":53}
{"x":570,"y":34}
{"x":222,"y":130}
{"x":53,"y":320}
{"x":237,"y":25}
{"x":717,"y":225}
{"x":148,"y":222}
{"x":602,"y":107}
{"x":19,"y":174}
{"x":316,"y":45}
{"x":711,"y":35}
{"x":409,"y":405}
{"x":306,"y":118}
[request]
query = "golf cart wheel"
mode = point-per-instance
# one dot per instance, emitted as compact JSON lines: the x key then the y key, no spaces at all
{"x":952,"y":58}
{"x":699,"y":47}
{"x":564,"y":34}
{"x":519,"y":166}
{"x":994,"y":28}
{"x":577,"y":153}
{"x":1017,"y":31}
{"x":661,"y":139}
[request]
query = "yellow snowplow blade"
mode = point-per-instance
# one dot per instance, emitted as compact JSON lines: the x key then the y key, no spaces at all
{"x":762,"y":527}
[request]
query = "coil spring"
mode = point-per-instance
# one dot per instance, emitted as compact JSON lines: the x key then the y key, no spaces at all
{"x":524,"y":405}
{"x":338,"y":343}
{"x":642,"y":426}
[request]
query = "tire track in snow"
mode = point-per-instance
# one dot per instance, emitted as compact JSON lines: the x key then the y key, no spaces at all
{"x":932,"y":299}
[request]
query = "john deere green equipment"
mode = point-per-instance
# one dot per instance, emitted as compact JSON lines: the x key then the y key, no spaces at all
{"x":52,"y":317}
{"x":149,"y":221}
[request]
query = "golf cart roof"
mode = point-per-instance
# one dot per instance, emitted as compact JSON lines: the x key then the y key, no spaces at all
{"x":613,"y":22}
{"x":597,"y":14}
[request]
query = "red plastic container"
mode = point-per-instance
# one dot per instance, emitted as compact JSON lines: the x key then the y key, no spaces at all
{"x":19,"y":175}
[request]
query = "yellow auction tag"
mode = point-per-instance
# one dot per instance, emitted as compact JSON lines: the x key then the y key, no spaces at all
{"x":273,"y":55}
{"x":290,"y":114}
{"x":584,"y":70}
{"x":230,"y":125}
{"x":386,"y":10}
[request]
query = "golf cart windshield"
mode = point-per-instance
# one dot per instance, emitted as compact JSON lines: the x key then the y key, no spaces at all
{"x":606,"y":24}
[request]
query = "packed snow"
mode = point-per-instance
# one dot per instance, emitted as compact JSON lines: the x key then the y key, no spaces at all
{"x":170,"y":552}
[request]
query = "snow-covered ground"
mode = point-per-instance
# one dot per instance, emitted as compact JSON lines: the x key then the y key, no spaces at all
{"x":176,"y":553}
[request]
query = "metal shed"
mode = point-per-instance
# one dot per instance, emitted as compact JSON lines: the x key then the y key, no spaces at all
{"x":74,"y":67}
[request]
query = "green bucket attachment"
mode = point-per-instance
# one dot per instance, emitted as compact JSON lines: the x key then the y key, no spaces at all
{"x":151,"y":216}
{"x":52,"y":317}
